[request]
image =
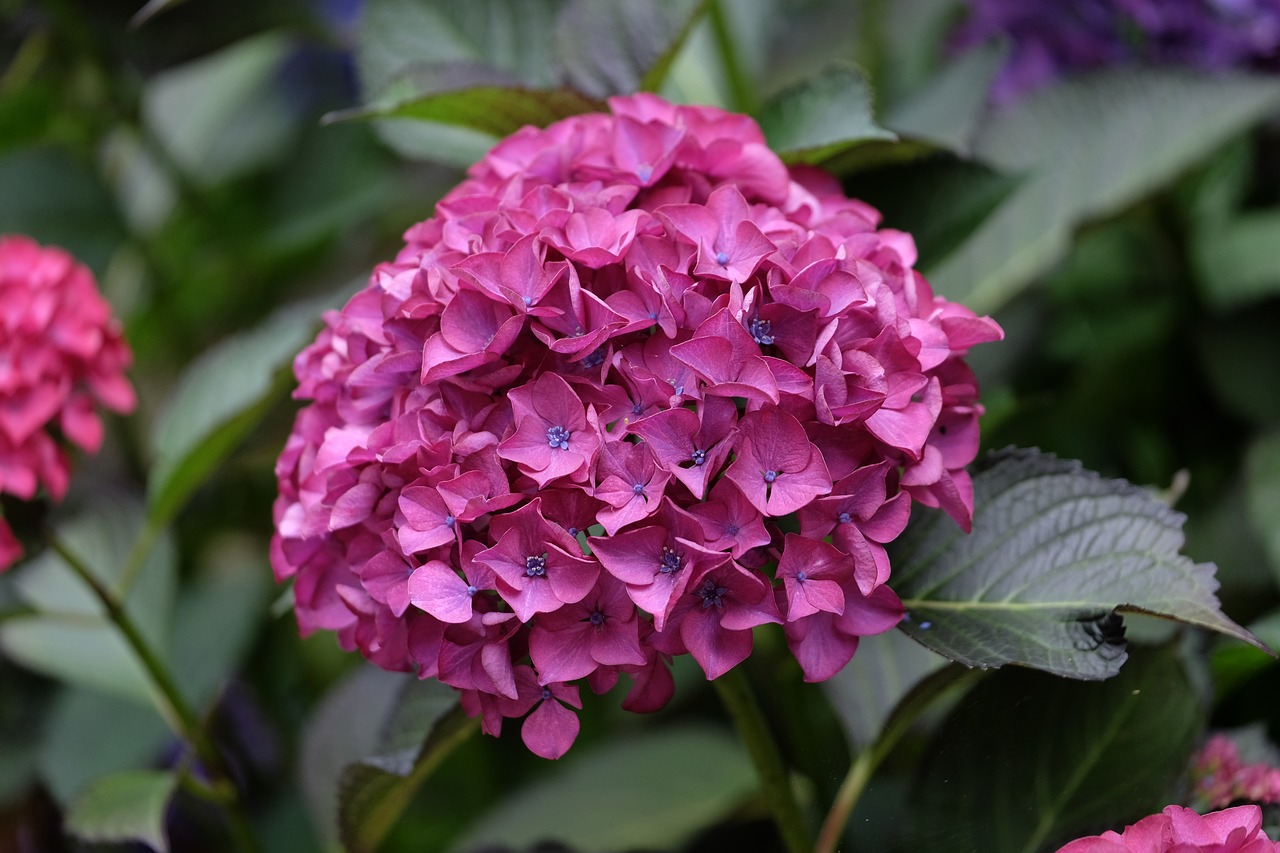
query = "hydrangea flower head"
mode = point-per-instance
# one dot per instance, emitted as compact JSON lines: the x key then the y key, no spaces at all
{"x":61,"y":357}
{"x":1052,"y":40}
{"x":1181,"y":830}
{"x":1221,"y":776}
{"x":554,"y":441}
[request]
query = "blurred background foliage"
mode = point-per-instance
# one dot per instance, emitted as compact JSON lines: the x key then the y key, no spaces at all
{"x":1125,"y":234}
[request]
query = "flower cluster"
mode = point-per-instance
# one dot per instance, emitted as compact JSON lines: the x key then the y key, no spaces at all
{"x":1181,"y":830}
{"x":1051,"y":40}
{"x":61,"y":355}
{"x":1222,"y":777}
{"x":555,"y":438}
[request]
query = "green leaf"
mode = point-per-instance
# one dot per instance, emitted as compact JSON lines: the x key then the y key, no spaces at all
{"x":373,"y":717}
{"x":215,"y":621}
{"x":89,"y":734}
{"x":1235,"y":663}
{"x":884,"y":670}
{"x":1262,"y":493}
{"x":220,"y":398}
{"x":1053,"y":758}
{"x":1238,"y":354}
{"x":821,"y":117}
{"x":1055,"y":549}
{"x":425,"y":726}
{"x":125,"y":807}
{"x":224,"y":114}
{"x":450,"y":95}
{"x":607,"y":47}
{"x":948,"y":110}
{"x":1238,"y":262}
{"x":398,"y":36}
{"x":55,"y":198}
{"x":69,"y":635}
{"x":650,"y":791}
{"x":1091,"y":146}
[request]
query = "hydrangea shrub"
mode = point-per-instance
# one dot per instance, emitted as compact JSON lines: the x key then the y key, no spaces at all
{"x":637,"y":388}
{"x":61,"y":358}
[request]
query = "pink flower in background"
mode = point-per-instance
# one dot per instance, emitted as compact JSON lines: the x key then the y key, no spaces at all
{"x":1222,"y":777}
{"x":61,"y":357}
{"x":1181,"y":830}
{"x":555,"y":441}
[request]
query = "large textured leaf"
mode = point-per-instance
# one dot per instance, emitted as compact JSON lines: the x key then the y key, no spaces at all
{"x":346,"y":725}
{"x":68,"y":634}
{"x":650,"y":791}
{"x":125,"y":807}
{"x":821,"y":117}
{"x":1027,"y":761}
{"x":89,"y":734}
{"x":611,"y":46}
{"x":425,"y":725}
{"x":221,"y":397}
{"x":398,"y":36}
{"x":1091,"y":146}
{"x":1055,"y":551}
{"x":947,"y":111}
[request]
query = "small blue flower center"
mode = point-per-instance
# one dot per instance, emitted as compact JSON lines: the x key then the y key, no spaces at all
{"x":699,"y":456}
{"x":802,"y":576}
{"x":558,"y":437}
{"x":722,"y":258}
{"x":449,"y":521}
{"x":712,"y":595}
{"x":761,"y":331}
{"x":732,"y":528}
{"x":594,"y":360}
{"x":528,"y":300}
{"x":546,"y":693}
{"x":644,"y":172}
{"x":637,"y":489}
{"x":844,"y":518}
{"x":770,"y":476}
{"x":535,"y":567}
{"x":471,"y":590}
{"x":653,"y":315}
{"x":597,"y":618}
{"x":671,"y":561}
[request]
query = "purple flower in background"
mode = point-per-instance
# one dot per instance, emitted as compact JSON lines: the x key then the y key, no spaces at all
{"x":1054,"y":40}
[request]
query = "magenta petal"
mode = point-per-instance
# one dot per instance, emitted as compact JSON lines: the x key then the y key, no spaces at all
{"x":550,"y":730}
{"x":562,"y":655}
{"x":437,"y":589}
{"x":716,"y":649}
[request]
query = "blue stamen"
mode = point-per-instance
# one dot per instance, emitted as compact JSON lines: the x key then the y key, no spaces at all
{"x":770,"y":476}
{"x":712,"y":595}
{"x":535,"y":567}
{"x":558,"y":437}
{"x":722,"y":258}
{"x":699,"y":456}
{"x":844,"y":518}
{"x":761,"y":331}
{"x":671,"y":561}
{"x":597,"y":618}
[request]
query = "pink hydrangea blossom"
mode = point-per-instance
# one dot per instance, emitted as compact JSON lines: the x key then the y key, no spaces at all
{"x":61,"y":357}
{"x":1221,"y":777}
{"x":1181,"y":830}
{"x":555,"y":441}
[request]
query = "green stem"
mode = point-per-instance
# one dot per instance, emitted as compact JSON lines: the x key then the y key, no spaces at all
{"x":735,"y":693}
{"x":173,"y":706}
{"x":915,"y":703}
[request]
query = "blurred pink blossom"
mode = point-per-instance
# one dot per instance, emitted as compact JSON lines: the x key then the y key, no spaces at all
{"x":61,"y":357}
